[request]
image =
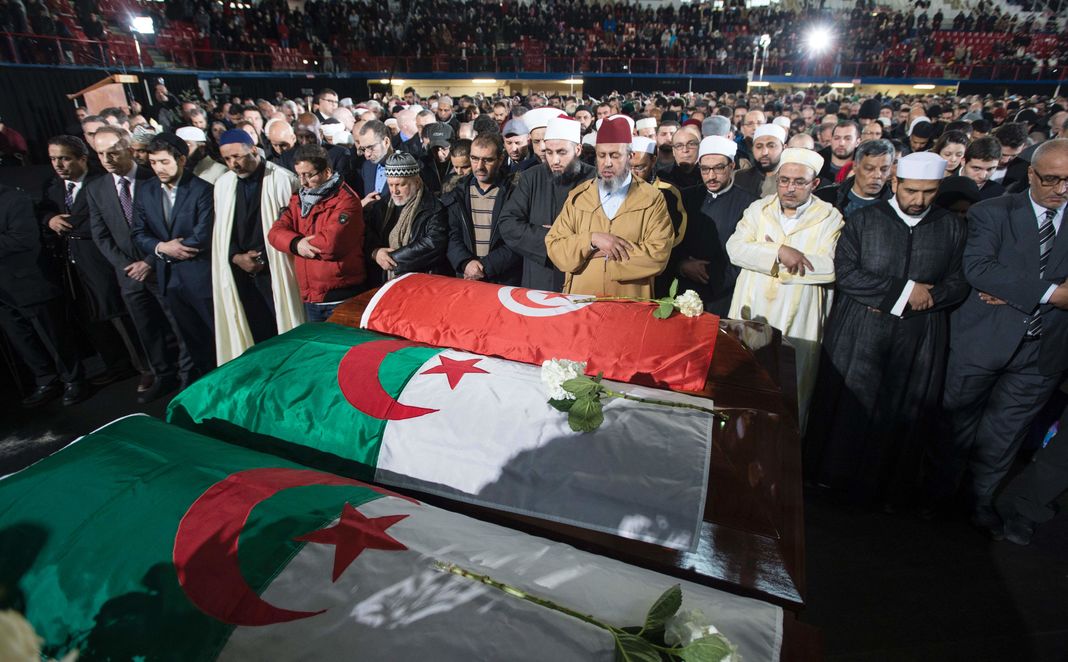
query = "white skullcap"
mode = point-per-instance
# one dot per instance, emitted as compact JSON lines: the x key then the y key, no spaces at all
{"x":590,"y":138}
{"x":343,"y":137}
{"x":345,"y":103}
{"x":641,"y":144}
{"x":539,"y":117}
{"x":921,"y":165}
{"x":191,"y":134}
{"x":626,"y":117}
{"x":885,"y":121}
{"x":332,"y":130}
{"x":563,"y":128}
{"x":392,"y":121}
{"x":645,"y":123}
{"x":416,"y":107}
{"x":782,"y":121}
{"x":773,"y":130}
{"x":913,"y":123}
{"x":717,"y":145}
{"x":805,"y":157}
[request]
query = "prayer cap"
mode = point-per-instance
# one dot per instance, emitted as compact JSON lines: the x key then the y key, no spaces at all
{"x":174,"y":141}
{"x":773,"y":130}
{"x":402,"y":164}
{"x":614,"y":129}
{"x":514,"y":127}
{"x":805,"y":157}
{"x":564,"y":128}
{"x":921,"y":165}
{"x":643,"y":145}
{"x":539,"y":118}
{"x":192,"y":134}
{"x":235,"y":136}
{"x":645,"y":123}
{"x":717,"y":145}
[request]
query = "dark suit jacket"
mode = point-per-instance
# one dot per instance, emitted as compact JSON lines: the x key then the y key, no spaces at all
{"x":94,"y":270}
{"x":192,"y":218}
{"x":110,"y":232}
{"x":501,"y":265}
{"x":23,"y":279}
{"x":367,"y":181}
{"x":1001,"y":258}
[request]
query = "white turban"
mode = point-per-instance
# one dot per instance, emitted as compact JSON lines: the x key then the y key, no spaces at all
{"x":921,"y":165}
{"x":717,"y":145}
{"x":643,"y":145}
{"x":805,"y":157}
{"x":773,"y":130}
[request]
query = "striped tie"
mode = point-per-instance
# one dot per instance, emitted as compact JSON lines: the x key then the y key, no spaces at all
{"x":68,"y":198}
{"x":126,"y":201}
{"x":1046,"y":236}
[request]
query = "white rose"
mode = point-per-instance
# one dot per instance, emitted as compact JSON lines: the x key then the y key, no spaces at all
{"x":689,"y":304}
{"x":687,"y":626}
{"x":555,"y":372}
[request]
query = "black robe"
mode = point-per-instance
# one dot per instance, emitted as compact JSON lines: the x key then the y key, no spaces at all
{"x":880,"y":378}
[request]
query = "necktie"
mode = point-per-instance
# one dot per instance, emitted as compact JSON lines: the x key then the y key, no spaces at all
{"x":126,"y":200}
{"x":68,"y":198}
{"x":1047,"y":234}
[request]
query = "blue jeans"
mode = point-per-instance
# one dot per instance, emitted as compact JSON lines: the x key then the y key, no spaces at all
{"x":318,"y":312}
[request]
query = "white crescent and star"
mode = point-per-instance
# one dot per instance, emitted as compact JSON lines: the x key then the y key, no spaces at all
{"x":537,"y":303}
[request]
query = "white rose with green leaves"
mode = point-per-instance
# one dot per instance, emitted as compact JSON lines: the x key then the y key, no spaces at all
{"x":555,"y":372}
{"x":686,"y":627}
{"x":689,"y":304}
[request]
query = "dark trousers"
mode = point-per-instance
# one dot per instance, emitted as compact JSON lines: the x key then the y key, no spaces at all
{"x":319,"y":312}
{"x":990,"y":412}
{"x":154,"y":329}
{"x":1031,"y":493}
{"x":257,"y":299}
{"x":194,"y":319}
{"x":39,"y":335}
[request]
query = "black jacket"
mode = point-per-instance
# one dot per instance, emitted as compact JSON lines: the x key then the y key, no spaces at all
{"x":111,"y":233}
{"x":501,"y":265}
{"x":424,"y":252}
{"x":23,"y":279}
{"x":838,"y":194}
{"x":750,"y":180}
{"x":536,"y":201}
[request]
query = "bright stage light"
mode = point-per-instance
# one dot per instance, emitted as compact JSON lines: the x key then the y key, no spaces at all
{"x":142,"y":25}
{"x":819,"y":39}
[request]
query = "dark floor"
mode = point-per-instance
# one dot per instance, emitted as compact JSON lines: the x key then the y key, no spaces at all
{"x":880,"y":587}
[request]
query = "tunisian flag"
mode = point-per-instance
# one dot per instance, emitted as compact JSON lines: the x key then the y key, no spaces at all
{"x":621,"y":339}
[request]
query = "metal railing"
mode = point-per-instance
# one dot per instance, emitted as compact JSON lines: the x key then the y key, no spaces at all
{"x":37,"y":49}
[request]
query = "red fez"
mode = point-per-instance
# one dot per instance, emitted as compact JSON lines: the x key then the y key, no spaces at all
{"x":614,"y":130}
{"x":693,"y":122}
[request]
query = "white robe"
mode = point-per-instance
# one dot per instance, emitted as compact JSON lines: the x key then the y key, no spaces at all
{"x":232,"y":333}
{"x":795,"y":305}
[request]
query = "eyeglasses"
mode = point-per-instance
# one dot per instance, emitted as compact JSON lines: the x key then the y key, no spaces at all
{"x":328,"y":100}
{"x":690,"y":145}
{"x":787,"y":183}
{"x":307,"y":177}
{"x":718,"y":169}
{"x":367,"y":150}
{"x":1049,"y":181}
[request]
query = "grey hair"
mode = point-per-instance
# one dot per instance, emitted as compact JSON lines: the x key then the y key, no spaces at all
{"x":717,"y":125}
{"x":879,"y":147}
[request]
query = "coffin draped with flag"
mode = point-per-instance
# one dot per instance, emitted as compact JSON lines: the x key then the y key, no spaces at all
{"x":146,"y":541}
{"x":465,"y":426}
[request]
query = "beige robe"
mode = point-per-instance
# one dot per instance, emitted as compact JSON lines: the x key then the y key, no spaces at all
{"x":642,"y":220}
{"x":232,"y":333}
{"x":795,"y":305}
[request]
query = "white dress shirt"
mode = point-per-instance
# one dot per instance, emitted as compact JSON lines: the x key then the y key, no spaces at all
{"x":1040,"y":216}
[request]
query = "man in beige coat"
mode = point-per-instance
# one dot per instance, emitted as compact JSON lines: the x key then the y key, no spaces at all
{"x":614,"y":234}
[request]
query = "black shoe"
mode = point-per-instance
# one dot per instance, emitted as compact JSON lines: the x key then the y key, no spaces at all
{"x":43,"y":395}
{"x":147,"y":380}
{"x":74,"y":393}
{"x":986,"y":519}
{"x":161,"y":387}
{"x":1019,"y":530}
{"x":111,"y":376}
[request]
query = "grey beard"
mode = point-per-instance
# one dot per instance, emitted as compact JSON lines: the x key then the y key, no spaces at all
{"x":569,"y":174}
{"x":613,"y":184}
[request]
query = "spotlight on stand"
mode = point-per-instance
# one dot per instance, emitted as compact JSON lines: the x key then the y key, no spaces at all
{"x":142,"y":25}
{"x":819,"y":39}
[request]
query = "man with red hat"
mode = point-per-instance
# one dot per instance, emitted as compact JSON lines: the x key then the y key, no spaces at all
{"x":614,"y":234}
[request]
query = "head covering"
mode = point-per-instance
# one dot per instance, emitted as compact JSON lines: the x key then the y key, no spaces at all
{"x":921,"y":118}
{"x":630,"y":122}
{"x":142,"y":135}
{"x":669,"y":116}
{"x":717,"y":145}
{"x":643,"y":145}
{"x":869,"y":110}
{"x":174,"y":141}
{"x":333,"y":130}
{"x":439,"y":134}
{"x":589,"y":139}
{"x":564,"y":128}
{"x":539,"y":118}
{"x":401,"y":164}
{"x":773,"y":130}
{"x":391,"y":121}
{"x":923,"y":130}
{"x":921,"y":165}
{"x":192,"y":134}
{"x":717,"y":125}
{"x":584,"y":107}
{"x":233,"y":136}
{"x":805,"y":157}
{"x":614,"y":130}
{"x":1026,"y":115}
{"x":782,"y":121}
{"x":953,"y":189}
{"x":514,"y":127}
{"x":645,"y":123}
{"x":692,"y":122}
{"x":345,"y":103}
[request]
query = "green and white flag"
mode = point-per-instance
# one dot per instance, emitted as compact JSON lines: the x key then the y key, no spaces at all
{"x":146,"y":541}
{"x":468,"y":427}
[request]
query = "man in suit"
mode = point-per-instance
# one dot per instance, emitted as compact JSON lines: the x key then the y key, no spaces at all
{"x":374,"y":142}
{"x":31,"y":308}
{"x":111,"y":203}
{"x":64,"y":210}
{"x":1009,"y":342}
{"x":173,"y":219}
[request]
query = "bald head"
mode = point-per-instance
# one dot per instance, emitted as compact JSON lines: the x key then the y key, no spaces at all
{"x":281,"y":136}
{"x":406,"y":122}
{"x":802,"y":141}
{"x":345,"y":116}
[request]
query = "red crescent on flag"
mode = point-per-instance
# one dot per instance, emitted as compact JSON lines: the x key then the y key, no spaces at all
{"x":519,"y":300}
{"x":205,"y":547}
{"x":357,"y":375}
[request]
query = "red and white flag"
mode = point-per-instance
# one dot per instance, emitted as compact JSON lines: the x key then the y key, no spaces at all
{"x":621,"y":339}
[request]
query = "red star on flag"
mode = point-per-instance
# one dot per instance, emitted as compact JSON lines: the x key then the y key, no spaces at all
{"x":556,"y":295}
{"x":353,"y":534}
{"x":455,"y":369}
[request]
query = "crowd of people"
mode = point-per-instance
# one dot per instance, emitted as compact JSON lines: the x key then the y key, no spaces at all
{"x":909,"y":249}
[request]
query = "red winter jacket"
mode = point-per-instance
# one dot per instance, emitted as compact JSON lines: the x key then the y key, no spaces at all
{"x":337,"y":223}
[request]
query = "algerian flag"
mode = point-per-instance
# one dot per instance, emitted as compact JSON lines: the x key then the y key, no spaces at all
{"x":145,"y":541}
{"x":464,"y":426}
